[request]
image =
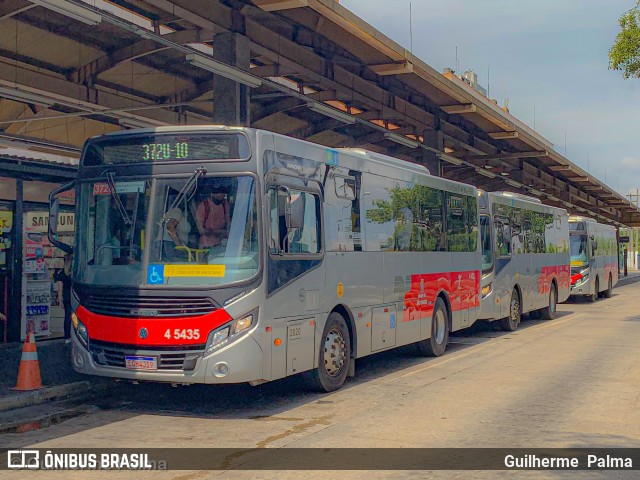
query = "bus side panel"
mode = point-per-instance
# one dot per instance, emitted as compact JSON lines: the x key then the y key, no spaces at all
{"x":356,"y":280}
{"x":298,"y":300}
{"x":401,"y":269}
{"x":465,"y":289}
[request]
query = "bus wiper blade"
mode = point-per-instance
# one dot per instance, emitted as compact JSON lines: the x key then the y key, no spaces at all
{"x":186,"y":188}
{"x":112,"y":188}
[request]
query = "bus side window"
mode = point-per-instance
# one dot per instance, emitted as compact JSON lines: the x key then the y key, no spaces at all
{"x":503,"y":237}
{"x":294,"y":238}
{"x":277,"y":206}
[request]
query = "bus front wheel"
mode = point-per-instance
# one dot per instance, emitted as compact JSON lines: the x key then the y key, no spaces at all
{"x":437,"y":344}
{"x":511,"y":323}
{"x":608,"y":292}
{"x":596,"y":294}
{"x":333,"y":357}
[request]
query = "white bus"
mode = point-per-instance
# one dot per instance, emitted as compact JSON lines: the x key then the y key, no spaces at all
{"x":594,"y":258}
{"x":525,"y":257}
{"x":326,"y":256}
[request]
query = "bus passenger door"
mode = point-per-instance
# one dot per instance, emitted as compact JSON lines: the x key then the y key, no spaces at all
{"x":295,"y":275}
{"x":383,"y":327}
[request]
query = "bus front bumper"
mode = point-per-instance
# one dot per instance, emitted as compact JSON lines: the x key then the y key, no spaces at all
{"x":582,"y":287}
{"x":238,"y":362}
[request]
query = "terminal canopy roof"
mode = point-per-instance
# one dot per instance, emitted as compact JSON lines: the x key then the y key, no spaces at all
{"x":81,"y":68}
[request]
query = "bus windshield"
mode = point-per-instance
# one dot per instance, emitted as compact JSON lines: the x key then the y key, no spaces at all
{"x":579,"y":252}
{"x":485,"y":239}
{"x":168,"y":231}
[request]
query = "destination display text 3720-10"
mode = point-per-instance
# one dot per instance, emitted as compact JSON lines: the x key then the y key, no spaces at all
{"x":165,"y":151}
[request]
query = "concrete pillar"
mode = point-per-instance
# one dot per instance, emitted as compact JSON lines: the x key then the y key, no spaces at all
{"x":15,"y":293}
{"x":231,"y":99}
{"x":434,"y":139}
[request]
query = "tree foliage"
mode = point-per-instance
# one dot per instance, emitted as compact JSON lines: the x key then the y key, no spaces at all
{"x":624,"y":55}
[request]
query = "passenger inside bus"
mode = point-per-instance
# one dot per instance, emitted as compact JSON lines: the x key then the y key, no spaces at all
{"x":173,"y":236}
{"x":213,"y":218}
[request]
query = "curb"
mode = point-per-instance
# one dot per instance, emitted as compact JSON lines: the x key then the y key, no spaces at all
{"x":48,"y":394}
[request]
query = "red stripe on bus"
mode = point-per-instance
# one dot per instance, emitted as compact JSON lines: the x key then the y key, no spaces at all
{"x":562,"y":274}
{"x":129,"y":330}
{"x":462,"y":288}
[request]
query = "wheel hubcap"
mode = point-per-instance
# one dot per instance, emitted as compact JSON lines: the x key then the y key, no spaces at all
{"x":515,"y":311}
{"x":334,"y":352}
{"x":441,"y":326}
{"x":552,"y":302}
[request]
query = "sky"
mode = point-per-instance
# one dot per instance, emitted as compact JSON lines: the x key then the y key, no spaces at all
{"x":548,"y":57}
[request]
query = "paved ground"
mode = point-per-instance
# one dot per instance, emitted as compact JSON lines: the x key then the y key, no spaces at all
{"x":570,"y":382}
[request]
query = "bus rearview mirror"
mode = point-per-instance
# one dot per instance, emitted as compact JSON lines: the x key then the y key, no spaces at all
{"x":54,"y":210}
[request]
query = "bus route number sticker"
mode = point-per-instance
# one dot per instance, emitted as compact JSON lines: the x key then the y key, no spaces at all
{"x":340,"y":290}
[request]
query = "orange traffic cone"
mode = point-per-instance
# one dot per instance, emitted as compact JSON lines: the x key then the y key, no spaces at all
{"x":29,"y":371}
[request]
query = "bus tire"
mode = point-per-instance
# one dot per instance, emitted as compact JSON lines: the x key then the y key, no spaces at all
{"x":510,"y":323}
{"x":592,"y":298}
{"x":549,"y":312}
{"x":334,"y":356}
{"x":437,"y":344}
{"x":609,"y":291}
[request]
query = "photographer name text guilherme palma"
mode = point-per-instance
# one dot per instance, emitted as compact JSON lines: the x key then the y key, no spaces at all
{"x":593,"y":461}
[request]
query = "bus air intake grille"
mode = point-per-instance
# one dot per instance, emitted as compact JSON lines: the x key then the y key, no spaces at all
{"x":110,"y":356}
{"x":149,"y":307}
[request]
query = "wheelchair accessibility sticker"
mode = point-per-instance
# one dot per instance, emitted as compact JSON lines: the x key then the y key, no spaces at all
{"x":155,"y":274}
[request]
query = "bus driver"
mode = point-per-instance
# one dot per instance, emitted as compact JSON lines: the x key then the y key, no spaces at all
{"x":212,"y":218}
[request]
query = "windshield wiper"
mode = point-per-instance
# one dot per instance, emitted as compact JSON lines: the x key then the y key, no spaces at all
{"x":186,"y":188}
{"x":112,"y":188}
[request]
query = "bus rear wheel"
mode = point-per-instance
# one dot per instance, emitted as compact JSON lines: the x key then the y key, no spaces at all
{"x":333,"y":357}
{"x":594,"y":297}
{"x":549,"y":312}
{"x":510,"y":323}
{"x":437,"y":344}
{"x":609,"y":291}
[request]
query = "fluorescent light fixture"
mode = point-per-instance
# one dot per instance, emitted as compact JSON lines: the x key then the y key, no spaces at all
{"x":71,"y":10}
{"x":485,"y":173}
{"x":331,"y":113}
{"x":449,"y":159}
{"x":399,"y":139}
{"x":25,"y":97}
{"x":535,"y":192}
{"x":554,"y":198}
{"x":513,"y":183}
{"x":223,"y":70}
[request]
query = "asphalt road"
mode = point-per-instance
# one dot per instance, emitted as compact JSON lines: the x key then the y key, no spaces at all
{"x":570,"y":382}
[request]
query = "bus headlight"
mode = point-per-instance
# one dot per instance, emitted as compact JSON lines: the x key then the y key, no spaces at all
{"x":230,"y":332}
{"x":584,"y":274}
{"x":486,"y":290}
{"x":217,"y":338}
{"x":82,"y":333}
{"x":242,"y":324}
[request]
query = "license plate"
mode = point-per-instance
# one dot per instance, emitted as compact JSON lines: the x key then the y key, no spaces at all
{"x":141,"y":363}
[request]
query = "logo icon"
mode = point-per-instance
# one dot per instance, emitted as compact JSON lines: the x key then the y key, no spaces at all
{"x":19,"y":459}
{"x":422,"y":285}
{"x":155,"y":274}
{"x":143,"y":333}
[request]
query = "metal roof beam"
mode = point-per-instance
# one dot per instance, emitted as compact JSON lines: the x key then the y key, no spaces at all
{"x":505,"y":156}
{"x":459,"y":109}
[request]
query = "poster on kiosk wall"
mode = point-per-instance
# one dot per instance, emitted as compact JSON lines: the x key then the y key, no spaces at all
{"x":36,"y":285}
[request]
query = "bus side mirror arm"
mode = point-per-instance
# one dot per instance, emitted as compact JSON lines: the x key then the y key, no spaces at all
{"x":54,"y":211}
